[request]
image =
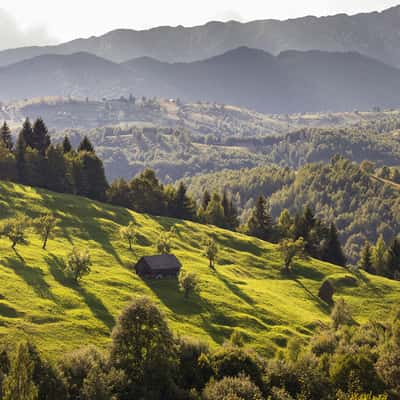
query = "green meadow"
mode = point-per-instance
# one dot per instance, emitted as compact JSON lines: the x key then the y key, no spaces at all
{"x":247,"y":291}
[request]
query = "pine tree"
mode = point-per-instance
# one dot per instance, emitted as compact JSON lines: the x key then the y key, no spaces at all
{"x":66,"y":145}
{"x":94,"y":180}
{"x":19,"y":383}
{"x":393,"y":259}
{"x":332,"y":249}
{"x":20,"y":150}
{"x":86,"y":145}
{"x":40,"y":137}
{"x":230,"y":212}
{"x":5,"y":136}
{"x":56,"y":170}
{"x":27,"y":133}
{"x":379,"y":256}
{"x":260,"y":222}
{"x":183,"y":206}
{"x":214,"y":214}
{"x":366,"y":258}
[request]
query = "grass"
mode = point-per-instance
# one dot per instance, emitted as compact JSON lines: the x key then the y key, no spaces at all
{"x":246,"y":291}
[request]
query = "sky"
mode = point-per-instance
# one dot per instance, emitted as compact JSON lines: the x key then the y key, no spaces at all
{"x":24,"y":23}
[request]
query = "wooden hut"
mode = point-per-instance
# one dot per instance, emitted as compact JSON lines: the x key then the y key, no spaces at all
{"x":160,"y":266}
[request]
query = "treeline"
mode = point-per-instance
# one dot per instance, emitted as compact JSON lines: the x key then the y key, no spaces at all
{"x":145,"y":360}
{"x":34,"y":161}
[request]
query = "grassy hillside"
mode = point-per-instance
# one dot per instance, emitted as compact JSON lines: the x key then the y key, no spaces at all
{"x":246,"y":291}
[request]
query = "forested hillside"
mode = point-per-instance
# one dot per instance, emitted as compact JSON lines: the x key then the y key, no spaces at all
{"x":362,"y":207}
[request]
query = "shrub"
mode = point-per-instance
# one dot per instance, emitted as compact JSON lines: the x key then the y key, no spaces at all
{"x":78,"y":263}
{"x":326,"y":292}
{"x":232,"y":388}
{"x":187,"y":282}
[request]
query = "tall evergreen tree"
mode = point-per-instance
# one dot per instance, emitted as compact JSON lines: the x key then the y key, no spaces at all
{"x":56,"y":170}
{"x":366,"y":258}
{"x":5,"y":136}
{"x":214,"y":214}
{"x":27,"y":133}
{"x":393,"y":259}
{"x":93,"y":177}
{"x":332,"y":249}
{"x":379,"y":256}
{"x":86,"y":145}
{"x":20,"y":150}
{"x":260,"y":221}
{"x":183,"y":206}
{"x":66,"y":145}
{"x":230,"y":212}
{"x":40,"y":136}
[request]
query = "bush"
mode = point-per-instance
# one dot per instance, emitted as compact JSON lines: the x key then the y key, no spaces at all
{"x":232,"y":388}
{"x":326,"y":292}
{"x":232,"y":361}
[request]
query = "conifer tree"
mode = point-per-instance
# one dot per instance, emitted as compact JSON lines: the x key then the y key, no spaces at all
{"x":379,"y":256}
{"x":66,"y":145}
{"x":366,"y":258}
{"x":56,"y":170}
{"x":183,"y":206}
{"x":230,"y":212}
{"x":20,"y":158}
{"x":27,"y":133}
{"x":86,"y":145}
{"x":393,"y":259}
{"x":260,"y":222}
{"x":332,"y":249}
{"x":40,"y":137}
{"x":214,"y":214}
{"x":5,"y":136}
{"x":19,"y":383}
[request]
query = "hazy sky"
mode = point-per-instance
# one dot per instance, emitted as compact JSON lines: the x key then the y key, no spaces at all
{"x":25,"y":22}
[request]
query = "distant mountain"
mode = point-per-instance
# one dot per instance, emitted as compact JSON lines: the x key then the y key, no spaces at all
{"x":291,"y":82}
{"x":372,"y":34}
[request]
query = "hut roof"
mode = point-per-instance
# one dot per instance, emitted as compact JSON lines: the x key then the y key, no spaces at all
{"x":162,"y":262}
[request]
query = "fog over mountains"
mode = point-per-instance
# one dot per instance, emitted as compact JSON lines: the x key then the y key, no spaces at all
{"x":291,"y":82}
{"x":372,"y":34}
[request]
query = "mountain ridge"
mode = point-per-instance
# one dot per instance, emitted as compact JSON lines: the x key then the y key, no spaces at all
{"x":291,"y":82}
{"x":373,"y":34}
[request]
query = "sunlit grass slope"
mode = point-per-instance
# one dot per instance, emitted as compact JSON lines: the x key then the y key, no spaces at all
{"x":247,"y":290}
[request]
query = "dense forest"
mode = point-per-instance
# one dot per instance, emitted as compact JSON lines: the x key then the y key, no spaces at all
{"x":362,"y":199}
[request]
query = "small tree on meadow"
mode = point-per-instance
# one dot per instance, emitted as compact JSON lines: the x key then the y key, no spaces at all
{"x":211,"y":251}
{"x":187,"y":282}
{"x":15,"y":230}
{"x":290,"y":250}
{"x":128,"y":233}
{"x":164,"y":243}
{"x":78,"y":263}
{"x":44,"y":226}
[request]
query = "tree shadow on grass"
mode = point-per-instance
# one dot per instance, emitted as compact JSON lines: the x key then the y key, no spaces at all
{"x":96,"y":306}
{"x":234,"y":289}
{"x":167,"y":291}
{"x":33,"y":277}
{"x":324,"y":307}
